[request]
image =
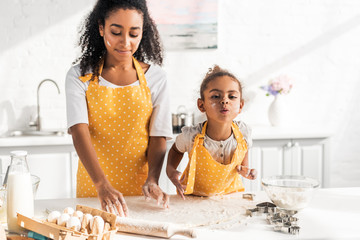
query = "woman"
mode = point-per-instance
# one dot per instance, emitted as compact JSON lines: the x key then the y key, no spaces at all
{"x":118,"y":105}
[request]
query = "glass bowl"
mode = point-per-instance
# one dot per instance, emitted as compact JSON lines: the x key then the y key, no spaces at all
{"x":35,"y":183}
{"x":290,"y":192}
{"x":34,"y":179}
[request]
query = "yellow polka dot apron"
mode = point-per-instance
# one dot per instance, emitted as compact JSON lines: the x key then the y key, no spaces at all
{"x":118,"y":124}
{"x":204,"y":176}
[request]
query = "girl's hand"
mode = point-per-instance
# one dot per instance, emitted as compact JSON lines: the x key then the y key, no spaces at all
{"x":112,"y":200}
{"x":152,"y":190}
{"x":246,"y":172}
{"x":174,"y":176}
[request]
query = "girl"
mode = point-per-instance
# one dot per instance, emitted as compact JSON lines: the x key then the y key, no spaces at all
{"x":218,"y":148}
{"x":118,"y":105}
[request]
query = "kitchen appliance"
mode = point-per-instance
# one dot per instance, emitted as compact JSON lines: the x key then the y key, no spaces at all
{"x":182,"y":118}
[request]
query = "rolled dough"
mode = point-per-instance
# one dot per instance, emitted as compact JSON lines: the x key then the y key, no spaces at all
{"x":217,"y":212}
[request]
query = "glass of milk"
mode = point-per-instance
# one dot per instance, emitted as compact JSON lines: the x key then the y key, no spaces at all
{"x":20,"y":197}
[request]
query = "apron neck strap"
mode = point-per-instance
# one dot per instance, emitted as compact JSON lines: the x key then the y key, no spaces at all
{"x":138,"y":68}
{"x":139,"y":71}
{"x":201,"y":135}
{"x":234,"y":129}
{"x":237,"y":133}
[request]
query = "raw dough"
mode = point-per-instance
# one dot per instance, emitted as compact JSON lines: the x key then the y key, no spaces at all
{"x":217,"y":212}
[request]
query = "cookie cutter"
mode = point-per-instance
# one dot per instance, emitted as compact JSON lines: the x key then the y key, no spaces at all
{"x":294,"y":230}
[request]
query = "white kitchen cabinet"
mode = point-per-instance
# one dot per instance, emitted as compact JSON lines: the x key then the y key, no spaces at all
{"x":294,"y":155}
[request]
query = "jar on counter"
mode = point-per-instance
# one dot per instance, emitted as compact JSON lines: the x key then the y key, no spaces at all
{"x":176,"y":127}
{"x":182,"y":118}
{"x":20,"y":197}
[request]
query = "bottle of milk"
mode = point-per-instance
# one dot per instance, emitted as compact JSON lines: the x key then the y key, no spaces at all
{"x":20,"y":197}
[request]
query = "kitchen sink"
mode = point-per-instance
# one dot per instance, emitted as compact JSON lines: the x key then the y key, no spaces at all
{"x":23,"y":133}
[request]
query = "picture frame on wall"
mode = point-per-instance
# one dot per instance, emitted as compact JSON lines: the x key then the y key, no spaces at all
{"x":186,"y":24}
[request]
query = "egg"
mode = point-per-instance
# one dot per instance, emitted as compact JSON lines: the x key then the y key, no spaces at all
{"x":69,"y":210}
{"x":73,"y":223}
{"x":97,"y":225}
{"x":63,"y":219}
{"x":107,"y":227}
{"x":53,"y":216}
{"x":79,"y":214}
{"x":85,"y":223}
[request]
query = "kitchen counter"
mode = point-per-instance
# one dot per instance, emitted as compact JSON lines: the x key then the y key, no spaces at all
{"x":333,"y":214}
{"x":37,"y":144}
{"x":265,"y":132}
{"x":259,"y":132}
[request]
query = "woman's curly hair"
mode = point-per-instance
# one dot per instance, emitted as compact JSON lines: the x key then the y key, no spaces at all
{"x":92,"y":44}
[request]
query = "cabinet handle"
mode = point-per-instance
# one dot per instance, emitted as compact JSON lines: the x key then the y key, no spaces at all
{"x":288,"y":145}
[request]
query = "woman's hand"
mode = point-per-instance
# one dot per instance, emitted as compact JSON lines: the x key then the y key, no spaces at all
{"x":246,"y":172}
{"x":174,"y":176}
{"x":112,"y":200}
{"x":152,"y":190}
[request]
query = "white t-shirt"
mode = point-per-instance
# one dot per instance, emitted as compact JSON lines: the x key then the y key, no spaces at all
{"x":160,"y":121}
{"x":221,"y":151}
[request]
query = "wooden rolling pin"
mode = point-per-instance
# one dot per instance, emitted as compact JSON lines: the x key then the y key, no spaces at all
{"x":150,"y":228}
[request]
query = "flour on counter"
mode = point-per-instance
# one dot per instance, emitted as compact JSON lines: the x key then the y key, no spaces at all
{"x":219,"y":212}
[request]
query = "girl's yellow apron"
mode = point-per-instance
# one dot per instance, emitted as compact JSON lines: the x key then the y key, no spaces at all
{"x":118,"y":124}
{"x":204,"y":176}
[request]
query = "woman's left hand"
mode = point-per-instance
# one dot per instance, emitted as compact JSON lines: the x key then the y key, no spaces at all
{"x":152,"y":190}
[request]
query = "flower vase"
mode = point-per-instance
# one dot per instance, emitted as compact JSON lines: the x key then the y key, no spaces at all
{"x":276,"y":111}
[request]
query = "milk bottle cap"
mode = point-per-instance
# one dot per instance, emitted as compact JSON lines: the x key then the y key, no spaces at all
{"x":18,"y":153}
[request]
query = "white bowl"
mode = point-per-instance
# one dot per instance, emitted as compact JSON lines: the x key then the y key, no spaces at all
{"x":290,"y":192}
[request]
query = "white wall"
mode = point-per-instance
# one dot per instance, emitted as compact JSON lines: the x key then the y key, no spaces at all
{"x":315,"y":41}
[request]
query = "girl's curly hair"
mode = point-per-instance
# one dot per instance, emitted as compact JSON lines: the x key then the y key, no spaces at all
{"x":216,"y":72}
{"x":92,"y":44}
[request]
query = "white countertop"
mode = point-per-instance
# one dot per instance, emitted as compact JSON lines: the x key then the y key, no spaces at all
{"x":37,"y":144}
{"x":35,"y":140}
{"x":333,"y":214}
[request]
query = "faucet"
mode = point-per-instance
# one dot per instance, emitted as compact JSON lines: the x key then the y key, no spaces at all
{"x":37,"y":123}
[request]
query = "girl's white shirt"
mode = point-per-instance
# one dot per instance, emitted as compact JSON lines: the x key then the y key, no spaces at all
{"x":160,"y":121}
{"x":221,"y":151}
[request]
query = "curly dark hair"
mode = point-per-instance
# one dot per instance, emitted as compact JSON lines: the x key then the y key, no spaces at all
{"x":216,"y":72}
{"x":92,"y":44}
